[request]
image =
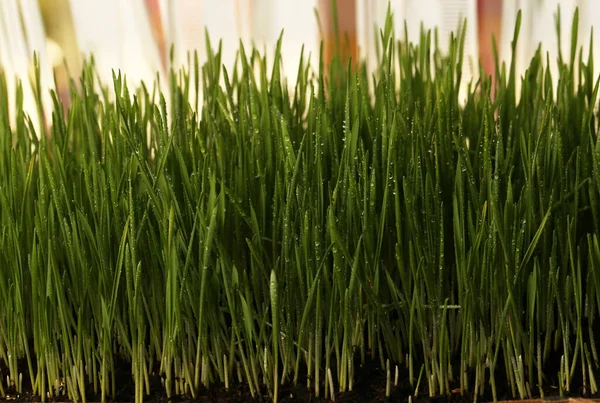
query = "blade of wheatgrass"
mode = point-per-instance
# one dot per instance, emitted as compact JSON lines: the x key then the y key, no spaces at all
{"x":205,"y":254}
{"x":275,"y":336}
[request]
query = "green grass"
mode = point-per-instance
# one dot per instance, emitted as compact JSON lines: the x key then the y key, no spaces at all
{"x":269,"y":236}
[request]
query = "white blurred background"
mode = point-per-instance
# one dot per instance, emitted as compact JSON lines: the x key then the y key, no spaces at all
{"x":134,"y":36}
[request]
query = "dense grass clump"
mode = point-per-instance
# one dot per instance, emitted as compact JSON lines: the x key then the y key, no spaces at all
{"x":268,"y":236}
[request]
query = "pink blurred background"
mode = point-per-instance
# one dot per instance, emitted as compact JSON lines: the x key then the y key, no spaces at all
{"x":489,"y":23}
{"x":60,"y":28}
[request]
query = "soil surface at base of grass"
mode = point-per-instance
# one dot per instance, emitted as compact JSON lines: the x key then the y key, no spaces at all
{"x":369,"y":386}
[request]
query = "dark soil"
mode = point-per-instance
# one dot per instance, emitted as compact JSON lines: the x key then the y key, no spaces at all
{"x":369,"y":386}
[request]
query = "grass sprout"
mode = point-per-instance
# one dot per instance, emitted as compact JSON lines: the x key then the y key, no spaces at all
{"x":266,"y":236}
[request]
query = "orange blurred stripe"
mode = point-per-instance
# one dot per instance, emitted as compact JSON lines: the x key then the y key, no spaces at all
{"x":489,"y":24}
{"x":154,"y":16}
{"x":347,"y":29}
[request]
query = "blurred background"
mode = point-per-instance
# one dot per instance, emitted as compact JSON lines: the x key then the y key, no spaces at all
{"x":135,"y":36}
